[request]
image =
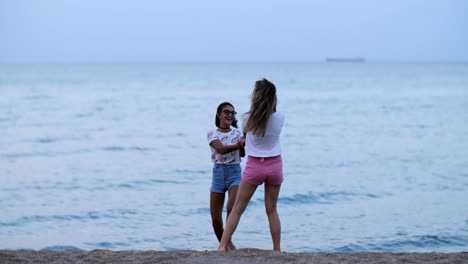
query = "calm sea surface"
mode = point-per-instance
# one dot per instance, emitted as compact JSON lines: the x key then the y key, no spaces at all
{"x":116,"y":157}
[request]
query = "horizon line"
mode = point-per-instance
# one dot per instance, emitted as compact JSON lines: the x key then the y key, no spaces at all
{"x":324,"y":61}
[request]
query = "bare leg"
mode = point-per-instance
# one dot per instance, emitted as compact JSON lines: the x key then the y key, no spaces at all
{"x":216,"y":209}
{"x":230,"y":204}
{"x":271,"y":199}
{"x":246,"y":190}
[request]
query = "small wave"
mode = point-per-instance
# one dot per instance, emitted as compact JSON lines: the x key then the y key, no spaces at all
{"x":36,"y":97}
{"x":392,"y":108}
{"x":428,"y":241}
{"x":133,"y":148}
{"x":89,"y":216}
{"x":51,"y":139}
{"x":47,"y":140}
{"x":83,"y":115}
{"x":43,"y":154}
{"x":152,"y":181}
{"x":38,"y":219}
{"x":350,"y":248}
{"x":135,"y":184}
{"x":192,"y":171}
{"x":113,"y":148}
{"x":44,"y":186}
{"x":321,"y":198}
{"x":109,"y":245}
{"x":71,"y":152}
{"x":199,"y":211}
{"x":164,"y":181}
{"x":341,"y":164}
{"x":415,"y":243}
{"x":136,"y":148}
{"x":46,"y":124}
{"x":62,"y":248}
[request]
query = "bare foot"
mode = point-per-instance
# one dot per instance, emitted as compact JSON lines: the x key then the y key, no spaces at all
{"x":230,"y":246}
{"x":222,"y":249}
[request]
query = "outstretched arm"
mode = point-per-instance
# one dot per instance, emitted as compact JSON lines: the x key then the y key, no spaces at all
{"x":242,"y":149}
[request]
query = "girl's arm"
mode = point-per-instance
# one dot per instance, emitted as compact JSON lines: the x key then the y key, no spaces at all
{"x":242,"y":149}
{"x":220,"y":148}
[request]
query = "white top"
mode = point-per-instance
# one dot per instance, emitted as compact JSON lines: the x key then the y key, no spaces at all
{"x":268,"y":145}
{"x":228,"y":138}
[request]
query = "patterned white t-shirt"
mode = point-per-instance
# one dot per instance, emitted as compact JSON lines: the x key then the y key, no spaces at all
{"x":228,"y":138}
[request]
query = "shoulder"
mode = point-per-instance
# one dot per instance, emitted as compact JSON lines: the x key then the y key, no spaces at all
{"x":211,"y":132}
{"x":277,"y":119}
{"x":279,"y":116}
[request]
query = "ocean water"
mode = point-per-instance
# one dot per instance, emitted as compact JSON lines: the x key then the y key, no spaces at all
{"x":114,"y":156}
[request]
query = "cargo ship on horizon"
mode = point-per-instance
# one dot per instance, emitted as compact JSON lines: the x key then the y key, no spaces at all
{"x":346,"y":59}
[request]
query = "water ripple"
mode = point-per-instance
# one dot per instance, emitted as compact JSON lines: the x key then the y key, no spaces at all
{"x":70,"y":152}
{"x":73,"y":186}
{"x":414,"y":243}
{"x":43,"y":154}
{"x":109,"y":245}
{"x":426,"y":241}
{"x":350,"y":248}
{"x":47,"y":140}
{"x":199,"y":211}
{"x":135,"y":184}
{"x":62,"y":248}
{"x":192,"y":171}
{"x":320,"y":198}
{"x":109,"y":214}
{"x":133,"y":148}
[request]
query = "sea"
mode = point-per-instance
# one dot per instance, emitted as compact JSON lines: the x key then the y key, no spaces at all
{"x":115,"y":155}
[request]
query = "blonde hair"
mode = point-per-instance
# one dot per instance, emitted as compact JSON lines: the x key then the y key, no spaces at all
{"x":263,"y":105}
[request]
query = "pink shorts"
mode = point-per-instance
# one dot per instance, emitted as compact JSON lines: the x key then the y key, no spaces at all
{"x":259,"y":170}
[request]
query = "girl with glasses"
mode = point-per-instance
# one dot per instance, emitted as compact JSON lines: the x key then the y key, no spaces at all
{"x":226,"y":152}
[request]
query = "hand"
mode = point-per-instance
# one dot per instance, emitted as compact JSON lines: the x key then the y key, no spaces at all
{"x":242,"y":142}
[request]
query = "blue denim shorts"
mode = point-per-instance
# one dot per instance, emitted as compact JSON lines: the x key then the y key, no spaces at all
{"x":225,"y":176}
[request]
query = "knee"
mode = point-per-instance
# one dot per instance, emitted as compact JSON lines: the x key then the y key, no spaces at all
{"x":229,"y":206}
{"x":238,"y":208}
{"x":217,"y":221}
{"x":270,"y":210}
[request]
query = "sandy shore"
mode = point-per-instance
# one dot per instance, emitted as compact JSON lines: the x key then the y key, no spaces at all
{"x":242,"y":256}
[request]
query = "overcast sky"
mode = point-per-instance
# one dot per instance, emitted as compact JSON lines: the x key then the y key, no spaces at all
{"x":241,"y":30}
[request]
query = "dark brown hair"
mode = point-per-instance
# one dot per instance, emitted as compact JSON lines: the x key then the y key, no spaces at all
{"x":220,"y":108}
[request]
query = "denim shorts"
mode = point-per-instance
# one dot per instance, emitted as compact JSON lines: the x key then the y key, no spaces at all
{"x":225,"y":176}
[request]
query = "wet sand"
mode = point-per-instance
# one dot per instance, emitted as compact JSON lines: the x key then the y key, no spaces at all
{"x":242,"y":256}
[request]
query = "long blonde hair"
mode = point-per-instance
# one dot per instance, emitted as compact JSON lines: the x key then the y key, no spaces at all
{"x":263,"y":105}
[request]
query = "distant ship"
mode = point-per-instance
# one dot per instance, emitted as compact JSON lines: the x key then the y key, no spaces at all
{"x":346,"y":59}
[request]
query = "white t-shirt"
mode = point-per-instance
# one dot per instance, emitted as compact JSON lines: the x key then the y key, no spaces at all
{"x":228,"y":138}
{"x":268,"y":145}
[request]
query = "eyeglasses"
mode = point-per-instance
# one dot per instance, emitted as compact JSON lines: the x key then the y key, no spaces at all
{"x":227,"y":112}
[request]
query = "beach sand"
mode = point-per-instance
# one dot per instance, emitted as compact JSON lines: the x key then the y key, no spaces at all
{"x":241,"y":256}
